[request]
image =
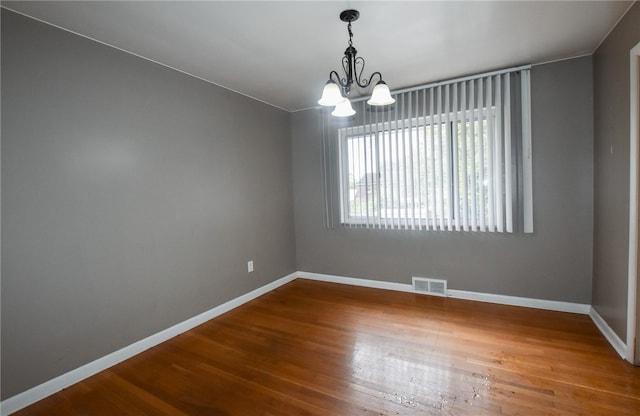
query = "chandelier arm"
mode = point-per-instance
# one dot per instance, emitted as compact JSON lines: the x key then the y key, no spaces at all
{"x":361,"y":83}
{"x":333,"y":75}
{"x":346,"y":67}
{"x":368,"y":82}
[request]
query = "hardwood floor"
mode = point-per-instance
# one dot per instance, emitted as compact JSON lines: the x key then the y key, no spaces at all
{"x":314,"y":348}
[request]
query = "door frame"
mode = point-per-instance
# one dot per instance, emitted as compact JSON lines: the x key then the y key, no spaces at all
{"x":634,"y":155}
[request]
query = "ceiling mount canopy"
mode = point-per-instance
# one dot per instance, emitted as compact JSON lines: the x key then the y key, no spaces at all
{"x":336,"y":90}
{"x":349,"y":15}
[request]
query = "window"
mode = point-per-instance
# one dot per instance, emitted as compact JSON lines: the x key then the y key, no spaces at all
{"x":406,"y":177}
{"x":444,"y":158}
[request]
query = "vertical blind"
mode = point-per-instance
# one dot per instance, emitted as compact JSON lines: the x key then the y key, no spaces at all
{"x":452,"y":156}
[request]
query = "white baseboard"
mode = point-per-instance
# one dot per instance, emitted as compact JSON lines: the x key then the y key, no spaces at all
{"x":609,"y":334}
{"x":551,"y":305}
{"x":24,"y":399}
{"x":355,"y":281}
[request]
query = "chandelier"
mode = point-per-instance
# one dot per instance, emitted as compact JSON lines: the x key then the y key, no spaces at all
{"x":336,"y":90}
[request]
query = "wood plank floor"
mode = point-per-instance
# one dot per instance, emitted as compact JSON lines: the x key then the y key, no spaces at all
{"x":314,"y":348}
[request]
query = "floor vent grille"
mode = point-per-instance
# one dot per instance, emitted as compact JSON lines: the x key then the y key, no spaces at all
{"x":429,"y":286}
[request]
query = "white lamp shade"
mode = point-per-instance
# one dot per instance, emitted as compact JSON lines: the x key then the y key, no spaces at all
{"x":381,"y":95}
{"x":343,"y":109}
{"x":331,"y":95}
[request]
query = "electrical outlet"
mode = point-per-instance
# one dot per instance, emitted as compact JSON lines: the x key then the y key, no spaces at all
{"x":250,"y":266}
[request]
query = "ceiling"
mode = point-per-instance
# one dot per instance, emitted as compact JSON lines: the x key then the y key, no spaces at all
{"x":282,"y":52}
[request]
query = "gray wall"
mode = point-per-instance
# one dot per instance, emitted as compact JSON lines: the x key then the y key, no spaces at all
{"x":611,"y":172}
{"x":133,"y":197}
{"x":554,"y":263}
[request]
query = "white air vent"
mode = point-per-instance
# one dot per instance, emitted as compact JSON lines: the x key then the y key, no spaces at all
{"x":437,"y":287}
